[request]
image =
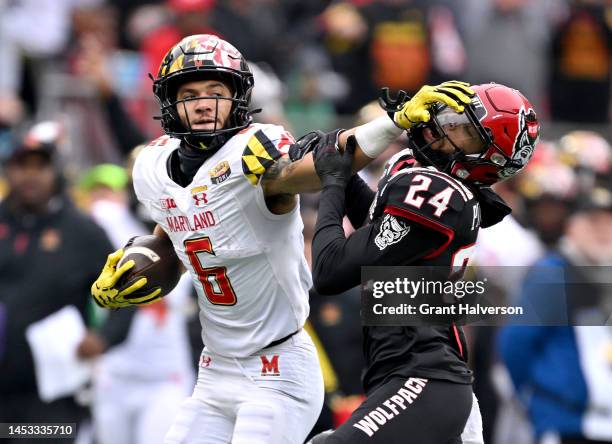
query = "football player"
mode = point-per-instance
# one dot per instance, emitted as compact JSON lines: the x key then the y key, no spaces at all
{"x":223,"y":189}
{"x":431,"y":201}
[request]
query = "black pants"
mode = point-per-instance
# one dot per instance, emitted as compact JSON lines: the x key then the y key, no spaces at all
{"x":409,"y":411}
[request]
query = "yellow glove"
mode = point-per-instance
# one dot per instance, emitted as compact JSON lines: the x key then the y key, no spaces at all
{"x":416,"y":110}
{"x":107,"y":296}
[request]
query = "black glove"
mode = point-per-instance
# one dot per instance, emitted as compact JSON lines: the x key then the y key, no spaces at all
{"x":304,"y":145}
{"x":333,"y":167}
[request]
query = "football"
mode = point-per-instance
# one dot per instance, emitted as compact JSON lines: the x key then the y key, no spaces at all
{"x":155,"y":259}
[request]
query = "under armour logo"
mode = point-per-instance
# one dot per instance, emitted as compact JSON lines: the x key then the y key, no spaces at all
{"x":200,"y":199}
{"x":205,"y":361}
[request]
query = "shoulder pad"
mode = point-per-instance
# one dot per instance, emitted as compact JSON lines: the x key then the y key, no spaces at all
{"x":163,"y":141}
{"x":264,"y":147}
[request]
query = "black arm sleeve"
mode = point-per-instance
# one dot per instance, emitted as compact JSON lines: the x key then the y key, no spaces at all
{"x":117,"y":325}
{"x":358,"y":198}
{"x":337,"y":261}
{"x":127,"y":135}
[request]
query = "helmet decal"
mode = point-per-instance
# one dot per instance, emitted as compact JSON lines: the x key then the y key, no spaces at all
{"x":203,"y":57}
{"x":479,"y":109}
{"x":524,"y":145}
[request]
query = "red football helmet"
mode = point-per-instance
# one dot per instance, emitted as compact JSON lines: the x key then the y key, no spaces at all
{"x":500,"y":124}
{"x":203,"y":57}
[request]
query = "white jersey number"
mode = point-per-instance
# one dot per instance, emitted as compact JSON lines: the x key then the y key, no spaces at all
{"x":439,"y":201}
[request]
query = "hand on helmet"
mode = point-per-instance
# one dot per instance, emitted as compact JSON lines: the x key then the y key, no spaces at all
{"x":416,"y":110}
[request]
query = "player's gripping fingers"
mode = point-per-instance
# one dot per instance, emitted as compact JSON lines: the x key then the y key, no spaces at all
{"x":464,"y":87}
{"x":458,"y":96}
{"x":148,"y":299}
{"x":114,"y":258}
{"x":132,"y":287}
{"x":459,"y":91}
{"x":446,"y":98}
{"x":121,"y":271}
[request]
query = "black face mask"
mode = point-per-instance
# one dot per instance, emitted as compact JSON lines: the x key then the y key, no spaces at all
{"x":426,"y":155}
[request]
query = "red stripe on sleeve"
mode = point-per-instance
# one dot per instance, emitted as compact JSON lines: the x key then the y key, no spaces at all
{"x":458,"y":340}
{"x":406,"y":214}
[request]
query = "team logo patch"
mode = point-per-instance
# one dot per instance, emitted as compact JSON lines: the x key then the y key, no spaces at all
{"x":167,"y":203}
{"x":199,"y":196}
{"x":269,"y":367}
{"x":220,"y":172}
{"x":391,"y":232}
{"x":525,"y":142}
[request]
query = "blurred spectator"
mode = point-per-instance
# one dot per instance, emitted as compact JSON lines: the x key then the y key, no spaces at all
{"x":268,"y":96}
{"x":507,"y":42}
{"x":49,"y":255}
{"x":563,"y":374}
{"x":148,"y":374}
{"x":95,"y":64}
{"x":187,"y":17}
{"x":400,"y":44}
{"x":31,"y":32}
{"x":127,"y":9}
{"x":549,"y":189}
{"x":589,"y":154}
{"x":581,"y":64}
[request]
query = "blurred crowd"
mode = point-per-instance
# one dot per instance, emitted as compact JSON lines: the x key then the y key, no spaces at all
{"x":76,"y":106}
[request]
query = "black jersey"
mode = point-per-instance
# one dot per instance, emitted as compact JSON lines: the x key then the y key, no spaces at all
{"x":420,"y":217}
{"x":447,"y":210}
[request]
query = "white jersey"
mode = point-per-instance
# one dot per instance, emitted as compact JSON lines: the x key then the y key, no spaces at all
{"x":247,"y":264}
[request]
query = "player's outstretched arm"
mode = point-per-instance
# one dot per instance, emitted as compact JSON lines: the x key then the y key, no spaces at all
{"x":296,"y":174}
{"x":337,"y":260}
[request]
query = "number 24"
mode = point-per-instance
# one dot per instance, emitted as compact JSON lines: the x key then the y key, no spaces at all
{"x":439,"y":201}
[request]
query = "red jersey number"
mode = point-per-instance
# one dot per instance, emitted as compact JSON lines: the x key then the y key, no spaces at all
{"x":214,"y":280}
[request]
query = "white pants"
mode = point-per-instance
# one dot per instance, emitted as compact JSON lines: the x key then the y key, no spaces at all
{"x":132,"y":411}
{"x":272,"y":397}
{"x":472,"y":432}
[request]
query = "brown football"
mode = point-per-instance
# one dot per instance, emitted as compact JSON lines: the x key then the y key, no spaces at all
{"x":154,"y":259}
